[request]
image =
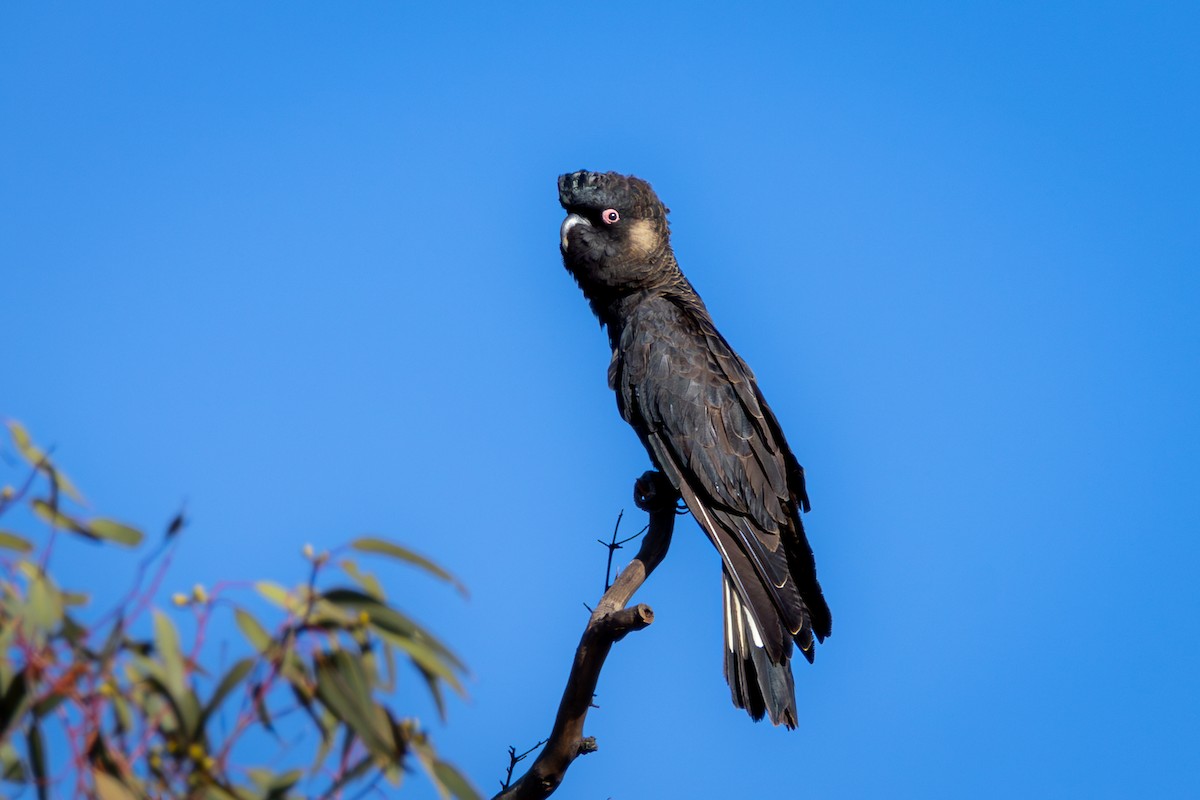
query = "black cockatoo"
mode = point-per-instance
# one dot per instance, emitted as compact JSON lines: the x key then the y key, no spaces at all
{"x":699,"y":412}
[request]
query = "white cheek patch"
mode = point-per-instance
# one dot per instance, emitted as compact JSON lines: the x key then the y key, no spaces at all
{"x":643,"y":236}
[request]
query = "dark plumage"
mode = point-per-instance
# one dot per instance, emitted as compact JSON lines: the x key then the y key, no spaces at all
{"x":698,"y":410}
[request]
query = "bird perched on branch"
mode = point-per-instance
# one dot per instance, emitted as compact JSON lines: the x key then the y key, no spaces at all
{"x":699,"y":412}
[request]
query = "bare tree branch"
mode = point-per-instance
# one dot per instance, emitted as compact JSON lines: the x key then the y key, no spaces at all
{"x":609,"y":623}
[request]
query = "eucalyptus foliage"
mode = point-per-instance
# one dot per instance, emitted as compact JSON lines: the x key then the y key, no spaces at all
{"x":142,"y":712}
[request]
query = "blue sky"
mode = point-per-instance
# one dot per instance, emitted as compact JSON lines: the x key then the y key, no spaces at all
{"x":296,"y":265}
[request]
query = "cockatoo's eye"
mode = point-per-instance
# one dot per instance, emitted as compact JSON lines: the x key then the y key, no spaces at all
{"x":610,"y":216}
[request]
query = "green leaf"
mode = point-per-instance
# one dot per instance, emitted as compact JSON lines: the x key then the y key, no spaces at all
{"x":427,"y":660}
{"x":166,"y":641}
{"x":328,"y":616}
{"x":276,"y":594}
{"x":305,"y":698}
{"x":236,"y":674}
{"x":360,"y":768}
{"x":388,"y":619}
{"x":435,"y":689}
{"x":184,"y":705}
{"x":50,"y":702}
{"x":62,"y":482}
{"x":114,"y":640}
{"x":14,"y":702}
{"x":156,"y":705}
{"x":366,"y":580}
{"x":342,"y":689}
{"x":261,"y":776}
{"x":37,"y":458}
{"x":45,"y":603}
{"x":113,"y":531}
{"x":108,"y":787}
{"x":52,"y":516}
{"x":124,"y":717}
{"x":214,"y":792}
{"x":37,"y":761}
{"x":427,"y":758}
{"x":7,"y":634}
{"x":280,"y":784}
{"x":258,"y":696}
{"x":450,"y":778}
{"x":433,"y":659}
{"x":174,"y":679}
{"x":385,"y":548}
{"x":24,"y":444}
{"x":292,"y":668}
{"x":388,"y":681}
{"x":189,"y":713}
{"x":328,"y":725}
{"x":12,"y":769}
{"x":258,"y":637}
{"x":10,"y":541}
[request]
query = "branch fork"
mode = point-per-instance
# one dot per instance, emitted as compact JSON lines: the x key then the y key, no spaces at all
{"x":610,"y":622}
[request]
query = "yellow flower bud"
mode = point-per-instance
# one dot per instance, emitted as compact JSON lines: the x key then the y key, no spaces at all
{"x":308,"y":551}
{"x":199,"y":594}
{"x":196,"y":751}
{"x":179,"y":599}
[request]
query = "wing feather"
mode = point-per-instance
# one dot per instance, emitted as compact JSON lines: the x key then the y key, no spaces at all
{"x":698,"y":410}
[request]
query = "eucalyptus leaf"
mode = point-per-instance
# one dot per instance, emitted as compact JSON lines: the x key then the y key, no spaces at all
{"x":37,"y":760}
{"x":281,"y":783}
{"x":11,"y":541}
{"x":113,"y":531}
{"x":453,"y":780}
{"x":258,"y":696}
{"x":359,"y":769}
{"x":254,"y":632}
{"x":45,"y":607}
{"x":276,"y":594}
{"x":371,"y":544}
{"x":366,"y":580}
{"x":184,"y":705}
{"x":12,"y":768}
{"x":38,"y":458}
{"x":342,"y":689}
{"x":52,"y":516}
{"x":386,"y":618}
{"x":111,"y":644}
{"x":235,"y":675}
{"x":166,"y":641}
{"x":109,"y":787}
{"x":14,"y":702}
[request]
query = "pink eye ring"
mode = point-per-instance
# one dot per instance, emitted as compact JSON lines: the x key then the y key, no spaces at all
{"x":610,"y":216}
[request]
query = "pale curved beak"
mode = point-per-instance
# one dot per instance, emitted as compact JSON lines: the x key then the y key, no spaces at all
{"x":570,"y":222}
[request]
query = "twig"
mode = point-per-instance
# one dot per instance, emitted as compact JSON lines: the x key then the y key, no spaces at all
{"x":614,"y":545}
{"x":514,"y":759}
{"x":609,"y":623}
